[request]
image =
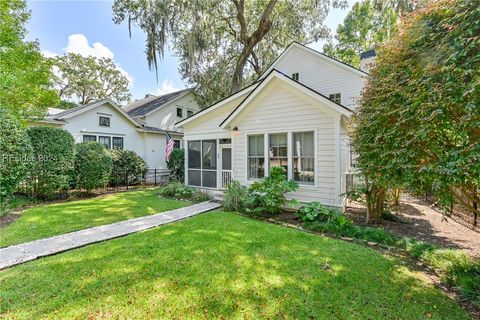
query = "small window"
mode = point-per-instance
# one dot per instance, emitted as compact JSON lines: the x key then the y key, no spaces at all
{"x":180,"y":112}
{"x":88,"y":138}
{"x":295,"y":76}
{"x":105,"y":141}
{"x":189,"y":113}
{"x":176,"y":144}
{"x":104,"y":121}
{"x":117,"y":142}
{"x":336,"y":97}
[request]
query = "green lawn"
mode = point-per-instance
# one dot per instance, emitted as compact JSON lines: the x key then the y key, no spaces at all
{"x":49,"y":220}
{"x":221,"y":265}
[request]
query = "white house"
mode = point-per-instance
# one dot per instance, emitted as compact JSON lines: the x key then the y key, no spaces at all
{"x":294,"y":116}
{"x":140,"y":126}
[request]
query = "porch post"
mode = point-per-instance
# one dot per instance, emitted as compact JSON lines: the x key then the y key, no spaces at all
{"x":185,"y":144}
{"x":219,"y":165}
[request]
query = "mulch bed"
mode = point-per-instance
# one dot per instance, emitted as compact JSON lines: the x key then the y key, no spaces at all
{"x":7,"y":219}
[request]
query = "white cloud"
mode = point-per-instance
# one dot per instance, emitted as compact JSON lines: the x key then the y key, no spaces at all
{"x":78,"y":43}
{"x":48,"y":54}
{"x":167,"y":86}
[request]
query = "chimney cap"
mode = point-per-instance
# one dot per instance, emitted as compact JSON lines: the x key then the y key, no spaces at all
{"x":368,"y":54}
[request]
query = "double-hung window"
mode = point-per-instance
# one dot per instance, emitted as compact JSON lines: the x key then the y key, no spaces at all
{"x":117,"y":142}
{"x":336,"y":97}
{"x":256,"y":156}
{"x":89,"y":138}
{"x":105,"y":141}
{"x":277,"y":151}
{"x":303,"y":157}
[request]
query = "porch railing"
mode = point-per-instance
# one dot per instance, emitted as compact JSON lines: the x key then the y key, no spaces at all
{"x":227,"y":177}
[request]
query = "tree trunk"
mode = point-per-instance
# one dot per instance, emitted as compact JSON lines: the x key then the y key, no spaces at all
{"x":375,"y":197}
{"x":396,"y":192}
{"x":249,"y":42}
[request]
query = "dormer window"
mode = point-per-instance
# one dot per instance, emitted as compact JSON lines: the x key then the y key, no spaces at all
{"x":104,"y":121}
{"x":336,"y":97}
{"x":295,"y":76}
{"x":180,"y":112}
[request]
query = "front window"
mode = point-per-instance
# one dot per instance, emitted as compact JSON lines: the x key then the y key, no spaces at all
{"x":117,"y":142}
{"x":180,"y":112}
{"x":176,"y":144}
{"x":105,"y":141}
{"x":89,"y":138}
{"x":104,"y":121}
{"x":303,"y":157}
{"x":277,"y":151}
{"x":256,"y":156}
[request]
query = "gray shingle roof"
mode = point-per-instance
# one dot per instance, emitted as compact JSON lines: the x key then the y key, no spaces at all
{"x":142,"y":107}
{"x":72,"y":110}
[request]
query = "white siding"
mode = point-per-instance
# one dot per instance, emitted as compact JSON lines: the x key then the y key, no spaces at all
{"x":321,"y":75}
{"x":283,"y":111}
{"x":86,"y":123}
{"x":207,"y":126}
{"x":166,"y":116}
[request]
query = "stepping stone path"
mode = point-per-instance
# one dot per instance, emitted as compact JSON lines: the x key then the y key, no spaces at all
{"x":27,"y":251}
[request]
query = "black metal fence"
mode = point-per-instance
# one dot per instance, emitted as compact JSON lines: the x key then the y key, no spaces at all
{"x":118,"y":181}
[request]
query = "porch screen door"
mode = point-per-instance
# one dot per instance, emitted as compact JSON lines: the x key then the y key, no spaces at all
{"x":226,"y":166}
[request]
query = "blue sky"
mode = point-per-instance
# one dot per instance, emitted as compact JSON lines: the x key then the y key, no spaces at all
{"x":86,"y":27}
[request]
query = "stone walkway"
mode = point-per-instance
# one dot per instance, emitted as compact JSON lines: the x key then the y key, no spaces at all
{"x":24,"y":252}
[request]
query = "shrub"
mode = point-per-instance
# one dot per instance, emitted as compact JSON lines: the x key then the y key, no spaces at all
{"x":93,"y":165}
{"x":177,"y":190}
{"x":54,"y":154}
{"x":268,"y":194}
{"x":127,"y":167}
{"x":234,"y":197}
{"x":200,"y":196}
{"x":315,"y":211}
{"x":15,"y":152}
{"x":176,"y":164}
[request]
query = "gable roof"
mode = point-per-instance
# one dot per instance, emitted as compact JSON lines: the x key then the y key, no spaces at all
{"x":218,"y":104}
{"x":145,"y":106}
{"x":275,"y":74}
{"x":83,"y":108}
{"x":319,"y":54}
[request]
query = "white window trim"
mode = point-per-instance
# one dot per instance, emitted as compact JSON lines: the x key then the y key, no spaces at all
{"x":289,"y":155}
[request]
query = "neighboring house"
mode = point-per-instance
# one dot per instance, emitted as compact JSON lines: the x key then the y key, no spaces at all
{"x":295,"y":116}
{"x":115,"y":127}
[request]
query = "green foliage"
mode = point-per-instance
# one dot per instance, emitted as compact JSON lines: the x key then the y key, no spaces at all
{"x":268,"y":194}
{"x":89,"y":78}
{"x":25,"y":75}
{"x":176,"y":164}
{"x":93,"y":165}
{"x":223,"y":44}
{"x":234,"y":197}
{"x":127,"y":167}
{"x":418,"y":122}
{"x":363,"y":28}
{"x":54,"y":153}
{"x":177,"y":190}
{"x":15,"y":154}
{"x":315,"y":211}
{"x":201,"y":196}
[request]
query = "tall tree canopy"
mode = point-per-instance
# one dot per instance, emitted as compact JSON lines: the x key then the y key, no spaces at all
{"x":25,"y":75}
{"x":418,"y":124}
{"x":223,"y":44}
{"x":363,"y":28}
{"x":87,"y":79}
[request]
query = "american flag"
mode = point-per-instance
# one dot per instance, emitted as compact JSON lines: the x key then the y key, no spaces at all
{"x":170,"y":144}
